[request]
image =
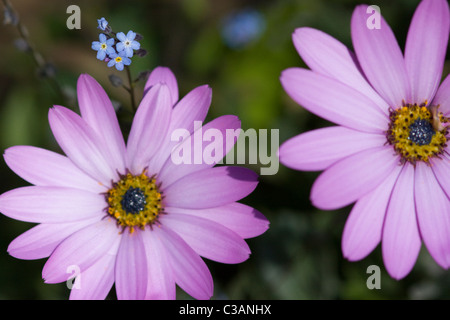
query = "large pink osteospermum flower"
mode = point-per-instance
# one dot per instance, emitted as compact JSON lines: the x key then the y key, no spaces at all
{"x":389,"y":151}
{"x":127,"y":214}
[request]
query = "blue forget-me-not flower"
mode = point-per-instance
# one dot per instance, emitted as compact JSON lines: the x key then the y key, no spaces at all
{"x":119,"y":60}
{"x":103,"y":47}
{"x":127,"y":44}
{"x":102,"y":24}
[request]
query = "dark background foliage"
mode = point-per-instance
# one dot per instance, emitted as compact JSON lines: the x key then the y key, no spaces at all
{"x":300,"y":256}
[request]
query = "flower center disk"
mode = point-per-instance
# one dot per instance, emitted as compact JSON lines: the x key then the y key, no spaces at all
{"x":134,"y":201}
{"x":414,"y":135}
{"x":421,"y":132}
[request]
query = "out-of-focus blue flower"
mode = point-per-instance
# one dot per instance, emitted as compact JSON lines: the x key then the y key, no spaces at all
{"x":102,"y":24}
{"x":243,"y":27}
{"x":127,"y":44}
{"x":119,"y":60}
{"x":103,"y":47}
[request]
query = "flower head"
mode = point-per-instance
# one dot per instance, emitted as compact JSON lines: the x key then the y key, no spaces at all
{"x":119,"y":60}
{"x":389,"y":151}
{"x":103,"y":47}
{"x":102,"y":24}
{"x":241,"y":28}
{"x":126,"y":214}
{"x":127,"y":43}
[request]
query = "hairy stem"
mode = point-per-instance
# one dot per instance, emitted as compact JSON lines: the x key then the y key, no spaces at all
{"x":38,"y":59}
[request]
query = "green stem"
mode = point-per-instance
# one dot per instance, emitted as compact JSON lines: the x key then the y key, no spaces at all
{"x":131,"y":89}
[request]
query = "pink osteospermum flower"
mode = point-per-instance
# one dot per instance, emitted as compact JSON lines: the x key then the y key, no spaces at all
{"x":126,"y":214}
{"x":389,"y":152}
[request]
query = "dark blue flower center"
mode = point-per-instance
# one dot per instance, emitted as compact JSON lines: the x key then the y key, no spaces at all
{"x":134,"y":200}
{"x":421,"y":132}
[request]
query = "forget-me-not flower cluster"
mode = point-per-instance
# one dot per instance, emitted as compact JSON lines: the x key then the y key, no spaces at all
{"x":115,"y":49}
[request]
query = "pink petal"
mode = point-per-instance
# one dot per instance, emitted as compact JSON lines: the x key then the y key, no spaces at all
{"x":51,"y":204}
{"x":193,"y":107}
{"x":442,"y":97}
{"x":96,"y":282}
{"x":363,"y":229}
{"x":149,"y":128}
{"x":131,"y":268}
{"x":98,"y":112}
{"x":46,"y":168}
{"x":326,"y":55}
{"x":351,"y":178}
{"x":209,"y":188}
{"x":40,"y":241}
{"x":333,"y":100}
{"x":189,"y":270}
{"x":318,"y":149}
{"x":199,"y":158}
{"x":81,"y":250}
{"x":161,"y":282}
{"x":209,"y":239}
{"x":426,"y":46}
{"x":401,"y":239}
{"x":433,"y":207}
{"x":166,"y":76}
{"x":380,"y":57}
{"x":441,"y":169}
{"x":246,"y":221}
{"x":81,"y":144}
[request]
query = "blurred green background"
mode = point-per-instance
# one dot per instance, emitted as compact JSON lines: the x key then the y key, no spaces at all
{"x":300,"y":256}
